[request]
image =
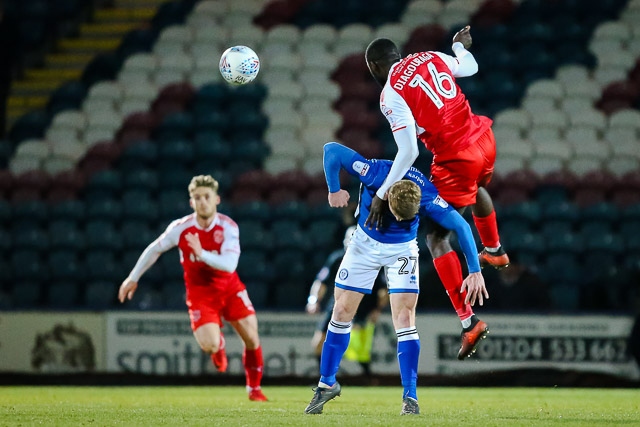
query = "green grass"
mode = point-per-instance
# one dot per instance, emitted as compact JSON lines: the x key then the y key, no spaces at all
{"x":358,"y":406}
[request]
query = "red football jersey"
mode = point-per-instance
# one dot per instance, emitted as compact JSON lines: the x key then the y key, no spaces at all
{"x":222,"y":236}
{"x":421,"y":91}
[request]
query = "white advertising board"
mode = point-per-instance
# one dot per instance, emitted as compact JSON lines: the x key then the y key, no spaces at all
{"x":162,"y":343}
{"x":35,"y":342}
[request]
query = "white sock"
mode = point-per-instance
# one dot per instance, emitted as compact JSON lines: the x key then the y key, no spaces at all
{"x":466,"y":322}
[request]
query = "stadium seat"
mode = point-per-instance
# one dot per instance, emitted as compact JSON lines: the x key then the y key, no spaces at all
{"x":105,"y":209}
{"x":253,"y":265}
{"x":289,"y":295}
{"x":173,"y":204}
{"x":566,"y":242}
{"x":64,"y":265}
{"x":254,"y":236}
{"x":173,"y":293}
{"x":26,"y":295}
{"x":141,"y":179}
{"x":140,"y":154}
{"x":27,"y":266}
{"x":102,"y":234}
{"x":62,"y":295}
{"x":100,"y":295}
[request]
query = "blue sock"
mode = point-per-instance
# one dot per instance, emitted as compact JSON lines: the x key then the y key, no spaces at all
{"x":408,"y":355}
{"x":333,"y":349}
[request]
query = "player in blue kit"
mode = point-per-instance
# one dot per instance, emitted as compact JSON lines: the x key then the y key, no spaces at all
{"x":393,"y":246}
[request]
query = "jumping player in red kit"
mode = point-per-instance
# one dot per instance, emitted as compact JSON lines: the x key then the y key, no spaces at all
{"x":421,"y":100}
{"x":209,"y":247}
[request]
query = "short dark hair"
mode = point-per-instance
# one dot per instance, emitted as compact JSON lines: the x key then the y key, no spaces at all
{"x":381,"y":49}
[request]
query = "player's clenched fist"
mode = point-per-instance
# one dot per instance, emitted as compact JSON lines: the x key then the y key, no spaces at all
{"x":339,"y":199}
{"x":463,"y":36}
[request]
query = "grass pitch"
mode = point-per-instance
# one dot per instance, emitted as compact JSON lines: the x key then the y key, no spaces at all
{"x":358,"y":406}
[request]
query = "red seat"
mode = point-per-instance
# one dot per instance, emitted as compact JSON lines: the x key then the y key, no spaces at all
{"x":36,"y":180}
{"x":88,"y":167}
{"x":588,"y":197}
{"x":492,"y":12}
{"x":19,"y":195}
{"x":278,"y":12}
{"x":244,"y":195}
{"x":625,"y":197}
{"x":630,"y":180}
{"x":350,"y":135}
{"x":294,"y":179}
{"x":352,"y":68}
{"x":600,"y":180}
{"x":317,"y":196}
{"x":181,"y":93}
{"x":254,"y":180}
{"x":60,"y":194}
{"x":524,"y":179}
{"x":560,"y":178}
{"x":65,"y":186}
{"x":106,"y":150}
{"x":6,"y":181}
{"x":364,"y":89}
{"x":423,"y":38}
{"x":510,"y":196}
{"x":140,"y":120}
{"x":281,"y":195}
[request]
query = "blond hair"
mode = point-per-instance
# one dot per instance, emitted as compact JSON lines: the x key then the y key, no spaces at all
{"x":404,"y":199}
{"x":203,"y":181}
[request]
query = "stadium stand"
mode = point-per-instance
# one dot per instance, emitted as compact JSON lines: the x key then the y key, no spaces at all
{"x":143,"y":117}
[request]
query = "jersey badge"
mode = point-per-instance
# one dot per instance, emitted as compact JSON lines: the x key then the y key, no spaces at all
{"x":440,"y":202}
{"x":218,"y":236}
{"x":343,"y":274}
{"x":361,"y":167}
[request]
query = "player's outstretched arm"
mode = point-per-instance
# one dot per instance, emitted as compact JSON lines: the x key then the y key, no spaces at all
{"x":148,"y":257}
{"x":337,"y":157}
{"x":127,"y":289}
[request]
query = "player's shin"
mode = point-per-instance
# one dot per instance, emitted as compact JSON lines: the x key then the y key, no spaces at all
{"x":408,"y":355}
{"x":334,"y":347}
{"x":253,"y":367}
{"x":487,"y":227}
{"x":450,"y":273}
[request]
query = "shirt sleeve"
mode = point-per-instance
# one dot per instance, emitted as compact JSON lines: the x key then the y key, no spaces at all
{"x":337,"y":157}
{"x":150,"y":255}
{"x":463,"y":65}
{"x":445,"y":215}
{"x":227,"y":259}
{"x":403,"y":126}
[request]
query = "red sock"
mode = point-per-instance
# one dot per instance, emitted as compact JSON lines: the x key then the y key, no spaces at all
{"x":488,"y":230}
{"x":253,"y":364}
{"x":450,"y":272}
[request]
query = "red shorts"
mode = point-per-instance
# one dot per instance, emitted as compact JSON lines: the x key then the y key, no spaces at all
{"x":457,"y":175}
{"x":211,"y":306}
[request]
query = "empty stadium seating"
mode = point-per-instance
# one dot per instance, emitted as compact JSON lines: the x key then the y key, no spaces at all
{"x":104,"y":167}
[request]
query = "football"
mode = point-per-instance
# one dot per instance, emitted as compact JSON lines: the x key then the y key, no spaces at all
{"x":239,"y":65}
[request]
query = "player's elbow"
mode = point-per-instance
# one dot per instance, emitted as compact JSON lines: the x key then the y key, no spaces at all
{"x":329,"y":146}
{"x":473,"y":67}
{"x":413,"y":152}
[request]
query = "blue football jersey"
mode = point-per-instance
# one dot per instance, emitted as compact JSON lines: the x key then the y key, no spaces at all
{"x":372,"y":174}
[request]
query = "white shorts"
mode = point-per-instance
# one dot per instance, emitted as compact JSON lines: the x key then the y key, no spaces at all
{"x":365,"y":257}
